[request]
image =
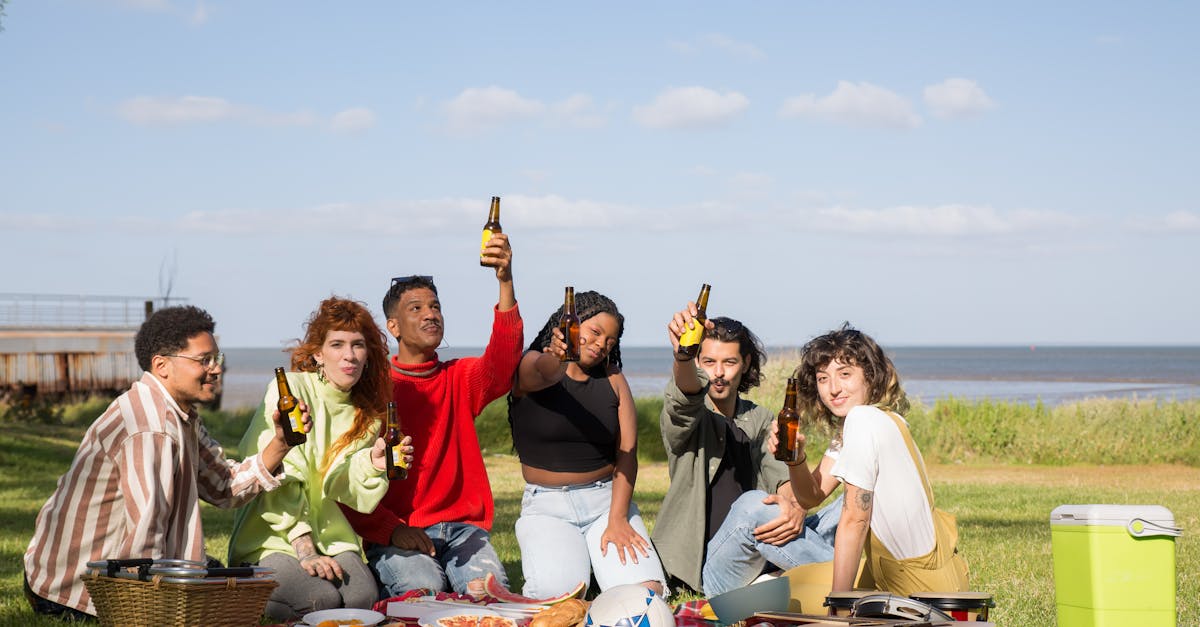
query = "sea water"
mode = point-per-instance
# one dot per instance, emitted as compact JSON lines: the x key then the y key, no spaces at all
{"x":1051,"y":374}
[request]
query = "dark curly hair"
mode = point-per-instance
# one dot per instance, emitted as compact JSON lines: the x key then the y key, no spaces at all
{"x":587,"y":304}
{"x":168,"y":330}
{"x":401,"y":285}
{"x":852,"y":347}
{"x":749,"y":346}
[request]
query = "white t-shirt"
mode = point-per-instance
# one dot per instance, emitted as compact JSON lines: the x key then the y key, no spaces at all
{"x":874,"y":457}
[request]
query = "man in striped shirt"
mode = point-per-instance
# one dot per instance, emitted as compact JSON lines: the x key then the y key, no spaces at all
{"x":134,"y":486}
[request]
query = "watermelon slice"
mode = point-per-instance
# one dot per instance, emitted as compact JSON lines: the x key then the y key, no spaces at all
{"x":497,"y":590}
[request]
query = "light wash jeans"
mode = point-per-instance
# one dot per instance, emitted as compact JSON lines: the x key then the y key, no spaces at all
{"x":735,"y":558}
{"x":463,"y":553}
{"x":559,"y":532}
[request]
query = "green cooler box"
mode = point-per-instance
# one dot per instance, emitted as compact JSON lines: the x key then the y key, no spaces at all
{"x":1114,"y":565}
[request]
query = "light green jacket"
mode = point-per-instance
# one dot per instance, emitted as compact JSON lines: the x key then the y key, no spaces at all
{"x":307,"y":502}
{"x":695,"y":444}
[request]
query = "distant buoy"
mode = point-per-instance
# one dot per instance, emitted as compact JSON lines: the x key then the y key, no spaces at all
{"x":1032,"y":347}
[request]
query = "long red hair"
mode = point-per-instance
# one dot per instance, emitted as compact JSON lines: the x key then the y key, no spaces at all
{"x":371,"y":394}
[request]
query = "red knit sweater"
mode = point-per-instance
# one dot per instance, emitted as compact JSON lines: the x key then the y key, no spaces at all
{"x":447,"y":481}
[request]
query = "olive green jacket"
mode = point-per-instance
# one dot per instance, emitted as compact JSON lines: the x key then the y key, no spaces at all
{"x":695,"y":443}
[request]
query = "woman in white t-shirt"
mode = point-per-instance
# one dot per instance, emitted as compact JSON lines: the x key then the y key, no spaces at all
{"x":848,"y":381}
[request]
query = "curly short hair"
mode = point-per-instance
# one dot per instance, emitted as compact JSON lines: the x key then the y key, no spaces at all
{"x":852,"y":347}
{"x":168,"y":330}
{"x":749,"y":346}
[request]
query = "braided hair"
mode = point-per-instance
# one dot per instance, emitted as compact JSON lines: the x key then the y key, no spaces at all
{"x":587,"y":304}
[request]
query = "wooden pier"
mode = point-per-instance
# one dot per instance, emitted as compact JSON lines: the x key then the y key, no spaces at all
{"x":55,"y":347}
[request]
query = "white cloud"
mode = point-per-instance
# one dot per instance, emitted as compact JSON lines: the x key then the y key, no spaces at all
{"x":578,"y":111}
{"x":200,"y":15}
{"x":353,"y":120}
{"x":734,"y":47}
{"x":13,"y":222}
{"x":943,"y":220}
{"x":145,"y":110}
{"x":1182,"y":221}
{"x":957,"y":97}
{"x":148,"y":111}
{"x":682,"y":47}
{"x":855,"y":104}
{"x":751,"y":180}
{"x":145,"y":5}
{"x":1174,"y":222}
{"x":479,"y":109}
{"x":690,"y":107}
{"x":555,"y":213}
{"x":719,"y":42}
{"x":439,"y":216}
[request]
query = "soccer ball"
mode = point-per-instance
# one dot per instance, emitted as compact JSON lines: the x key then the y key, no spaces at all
{"x":629,"y":605}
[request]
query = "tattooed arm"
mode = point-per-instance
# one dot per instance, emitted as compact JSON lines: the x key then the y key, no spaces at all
{"x":852,"y":531}
{"x":315,"y":564}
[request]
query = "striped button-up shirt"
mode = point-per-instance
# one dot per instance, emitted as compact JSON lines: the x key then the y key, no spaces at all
{"x":133,"y":490}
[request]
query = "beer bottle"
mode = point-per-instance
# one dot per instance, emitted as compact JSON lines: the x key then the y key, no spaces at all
{"x":689,"y":341}
{"x":289,"y":412}
{"x":397,"y":468}
{"x":789,"y":426}
{"x":569,"y":325}
{"x":491,"y":227}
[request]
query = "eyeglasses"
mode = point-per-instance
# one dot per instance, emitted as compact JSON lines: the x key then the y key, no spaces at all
{"x":209,"y":362}
{"x":412,"y":277}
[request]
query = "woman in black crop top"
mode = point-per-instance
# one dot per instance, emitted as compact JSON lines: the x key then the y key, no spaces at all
{"x":575,"y":429}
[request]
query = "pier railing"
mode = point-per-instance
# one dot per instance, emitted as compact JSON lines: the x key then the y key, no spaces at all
{"x":63,"y":311}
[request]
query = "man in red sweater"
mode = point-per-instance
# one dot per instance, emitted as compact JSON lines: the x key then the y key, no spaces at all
{"x":431,"y":530}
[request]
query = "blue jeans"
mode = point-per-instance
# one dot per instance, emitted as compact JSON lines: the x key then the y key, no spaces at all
{"x":559,"y":532}
{"x":735,"y":558}
{"x":463,"y":553}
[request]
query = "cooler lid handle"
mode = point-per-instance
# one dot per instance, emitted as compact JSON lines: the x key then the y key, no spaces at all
{"x":1140,"y":528}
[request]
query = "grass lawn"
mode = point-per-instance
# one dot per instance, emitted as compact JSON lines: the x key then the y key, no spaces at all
{"x":1003,"y":514}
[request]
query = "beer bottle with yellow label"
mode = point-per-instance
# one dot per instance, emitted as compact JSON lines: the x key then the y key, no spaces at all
{"x":788,"y":450}
{"x":491,"y":227}
{"x":689,"y":341}
{"x":289,"y":412}
{"x":569,"y":325}
{"x":397,"y":468}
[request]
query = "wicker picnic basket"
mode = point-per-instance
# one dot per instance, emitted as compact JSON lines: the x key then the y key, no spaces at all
{"x":158,"y":593}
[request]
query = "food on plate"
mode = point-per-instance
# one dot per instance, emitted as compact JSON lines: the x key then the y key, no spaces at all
{"x":339,"y":623}
{"x":496,"y":621}
{"x":497,"y":590}
{"x":568,"y":613}
{"x":472,"y":620}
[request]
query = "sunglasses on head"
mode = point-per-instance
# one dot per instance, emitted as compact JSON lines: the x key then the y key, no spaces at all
{"x":412,"y":277}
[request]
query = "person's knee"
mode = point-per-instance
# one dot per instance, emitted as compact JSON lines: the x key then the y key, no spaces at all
{"x":399,"y":573}
{"x":655,"y":586}
{"x":325,"y":597}
{"x":362,"y":594}
{"x":749,"y":507}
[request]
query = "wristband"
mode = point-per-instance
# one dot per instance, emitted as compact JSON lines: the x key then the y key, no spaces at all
{"x":803,"y":460}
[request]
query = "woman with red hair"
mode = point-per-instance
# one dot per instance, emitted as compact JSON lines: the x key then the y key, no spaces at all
{"x":339,"y":370}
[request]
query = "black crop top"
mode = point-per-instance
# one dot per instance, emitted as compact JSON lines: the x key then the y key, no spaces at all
{"x":570,"y":426}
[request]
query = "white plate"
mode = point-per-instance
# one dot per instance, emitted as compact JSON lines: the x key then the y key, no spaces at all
{"x":366,"y":617}
{"x":430,"y":620}
{"x":517,"y":611}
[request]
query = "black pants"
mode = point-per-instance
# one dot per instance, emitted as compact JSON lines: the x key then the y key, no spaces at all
{"x":50,"y":608}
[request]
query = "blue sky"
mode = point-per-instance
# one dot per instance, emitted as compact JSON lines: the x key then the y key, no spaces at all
{"x":935,"y":173}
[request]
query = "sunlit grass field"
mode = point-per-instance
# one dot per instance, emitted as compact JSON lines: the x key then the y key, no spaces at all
{"x":1002,"y":501}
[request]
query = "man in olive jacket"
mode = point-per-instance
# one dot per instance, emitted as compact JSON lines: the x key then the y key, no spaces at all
{"x":730,"y":509}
